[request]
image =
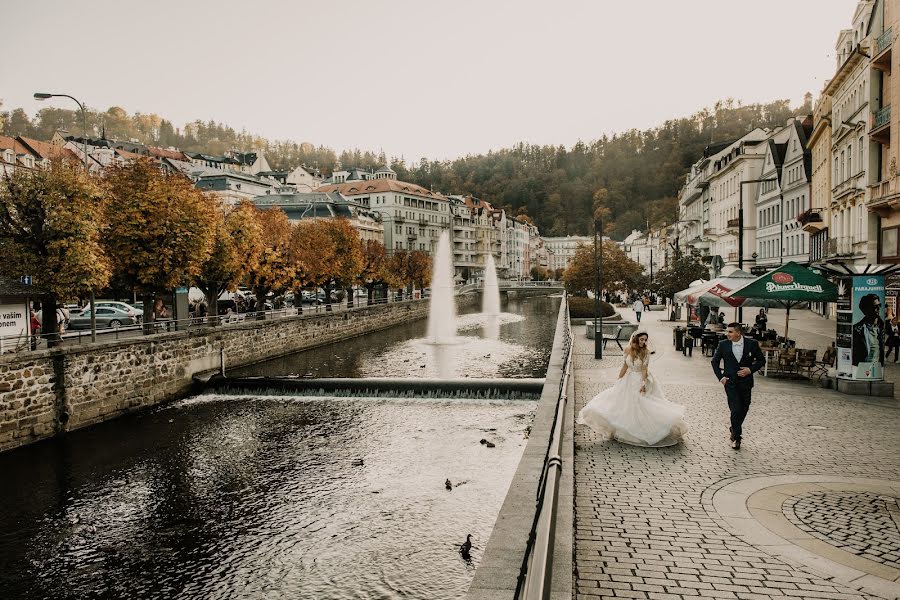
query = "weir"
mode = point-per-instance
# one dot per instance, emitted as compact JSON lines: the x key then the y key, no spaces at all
{"x":494,"y":388}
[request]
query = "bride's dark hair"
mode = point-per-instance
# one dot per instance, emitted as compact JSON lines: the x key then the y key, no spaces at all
{"x":636,"y":351}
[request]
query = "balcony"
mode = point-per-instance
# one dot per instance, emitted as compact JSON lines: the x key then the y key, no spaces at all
{"x":733,"y":225}
{"x":881,"y":56}
{"x":811,"y":220}
{"x":839,"y":247}
{"x":399,"y":219}
{"x":884,"y":197}
{"x":423,"y":221}
{"x":844,"y":188}
{"x":881,"y":125}
{"x":412,"y":235}
{"x":732,"y":257}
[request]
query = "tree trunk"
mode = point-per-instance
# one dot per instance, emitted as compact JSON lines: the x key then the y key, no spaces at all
{"x":49,"y":322}
{"x":210,"y":289}
{"x":149,"y":316}
{"x":260,"y":303}
{"x":327,"y":289}
{"x":351,"y":297}
{"x":370,"y":292}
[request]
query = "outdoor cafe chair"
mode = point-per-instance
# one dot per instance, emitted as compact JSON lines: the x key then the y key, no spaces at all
{"x":821,"y":367}
{"x":806,"y":361}
{"x":787,"y":360}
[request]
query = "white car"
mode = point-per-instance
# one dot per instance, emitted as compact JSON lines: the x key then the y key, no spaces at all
{"x":135,"y":313}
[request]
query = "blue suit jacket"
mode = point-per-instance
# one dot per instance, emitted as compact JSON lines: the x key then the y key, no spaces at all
{"x":753,"y":359}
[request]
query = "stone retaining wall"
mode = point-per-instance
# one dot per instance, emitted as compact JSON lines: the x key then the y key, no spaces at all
{"x":51,"y":391}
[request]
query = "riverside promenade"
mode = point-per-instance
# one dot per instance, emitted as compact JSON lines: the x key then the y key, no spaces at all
{"x":808,"y":508}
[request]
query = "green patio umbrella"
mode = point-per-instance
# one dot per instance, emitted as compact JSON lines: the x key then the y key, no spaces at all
{"x":788,"y":285}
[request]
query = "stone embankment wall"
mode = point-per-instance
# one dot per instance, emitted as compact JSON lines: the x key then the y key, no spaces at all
{"x":48,"y":392}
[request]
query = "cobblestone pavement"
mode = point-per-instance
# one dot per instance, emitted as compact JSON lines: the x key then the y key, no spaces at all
{"x":645,"y":522}
{"x":860,"y":522}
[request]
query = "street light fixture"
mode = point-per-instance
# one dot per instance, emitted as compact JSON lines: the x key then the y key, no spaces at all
{"x":598,"y":266}
{"x":41,"y":96}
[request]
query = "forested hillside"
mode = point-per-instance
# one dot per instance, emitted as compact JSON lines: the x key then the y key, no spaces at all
{"x":635,"y":174}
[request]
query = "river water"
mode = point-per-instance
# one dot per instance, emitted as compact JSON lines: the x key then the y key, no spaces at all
{"x":254,"y":497}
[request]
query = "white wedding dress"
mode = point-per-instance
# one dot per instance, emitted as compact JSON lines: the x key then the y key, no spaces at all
{"x":623,"y":413}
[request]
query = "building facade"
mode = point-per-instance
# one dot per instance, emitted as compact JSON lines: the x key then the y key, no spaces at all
{"x":854,"y":230}
{"x":884,"y":187}
{"x":413,"y":217}
{"x":562,"y":249}
{"x":331,"y":205}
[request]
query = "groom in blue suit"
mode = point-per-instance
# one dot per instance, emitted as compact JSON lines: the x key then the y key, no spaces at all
{"x":742,"y":358}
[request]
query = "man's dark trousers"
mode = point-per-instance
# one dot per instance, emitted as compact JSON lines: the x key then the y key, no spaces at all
{"x":738,"y":389}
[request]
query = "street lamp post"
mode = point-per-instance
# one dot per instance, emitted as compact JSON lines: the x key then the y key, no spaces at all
{"x":45,"y":96}
{"x":741,"y":228}
{"x":598,"y":315}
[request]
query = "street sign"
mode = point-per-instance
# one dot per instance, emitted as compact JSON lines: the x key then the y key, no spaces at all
{"x":25,"y":279}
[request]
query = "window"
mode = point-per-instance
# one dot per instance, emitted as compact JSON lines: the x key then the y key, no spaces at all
{"x":850,"y":160}
{"x":889,"y":240}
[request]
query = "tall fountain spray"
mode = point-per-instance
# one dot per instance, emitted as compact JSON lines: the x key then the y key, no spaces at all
{"x":490,"y":301}
{"x":442,"y":309}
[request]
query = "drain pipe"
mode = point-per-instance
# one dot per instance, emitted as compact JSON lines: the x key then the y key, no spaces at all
{"x":222,"y":361}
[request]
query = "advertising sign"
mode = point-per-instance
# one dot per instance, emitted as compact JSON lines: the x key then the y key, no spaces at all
{"x":861,"y":327}
{"x":14,"y":324}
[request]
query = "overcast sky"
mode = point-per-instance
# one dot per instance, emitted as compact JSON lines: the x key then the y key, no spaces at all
{"x":418,"y":77}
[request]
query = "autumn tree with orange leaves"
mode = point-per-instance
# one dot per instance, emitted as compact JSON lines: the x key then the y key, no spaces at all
{"x":159,"y":229}
{"x":236,"y":249}
{"x":276,"y":268}
{"x":50,"y":226}
{"x":375,"y":270}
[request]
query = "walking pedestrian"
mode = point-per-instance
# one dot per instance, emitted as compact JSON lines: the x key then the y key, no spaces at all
{"x":742,"y":358}
{"x":893,"y":338}
{"x":638,"y":309}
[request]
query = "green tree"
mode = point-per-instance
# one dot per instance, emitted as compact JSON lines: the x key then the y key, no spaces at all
{"x":618,"y":272}
{"x":51,"y":221}
{"x":683,"y":269}
{"x":160,"y":229}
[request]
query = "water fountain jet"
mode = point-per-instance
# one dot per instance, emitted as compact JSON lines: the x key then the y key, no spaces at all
{"x":442,"y":308}
{"x":490,"y":301}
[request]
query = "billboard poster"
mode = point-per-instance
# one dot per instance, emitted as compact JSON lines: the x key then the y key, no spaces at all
{"x":861,"y":327}
{"x":844,"y":333}
{"x":14,"y":324}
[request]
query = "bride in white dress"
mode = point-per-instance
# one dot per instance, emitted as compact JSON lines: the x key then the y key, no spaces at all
{"x":635,"y":410}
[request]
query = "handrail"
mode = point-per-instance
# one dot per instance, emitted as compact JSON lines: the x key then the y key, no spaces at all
{"x":535,"y":576}
{"x":25,"y":343}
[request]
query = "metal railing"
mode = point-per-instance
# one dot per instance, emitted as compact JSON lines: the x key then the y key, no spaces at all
{"x":881,"y":117}
{"x":884,"y":40}
{"x":41,"y":341}
{"x":536,"y":574}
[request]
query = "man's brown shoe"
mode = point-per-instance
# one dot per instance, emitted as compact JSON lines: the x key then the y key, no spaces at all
{"x":736,"y":444}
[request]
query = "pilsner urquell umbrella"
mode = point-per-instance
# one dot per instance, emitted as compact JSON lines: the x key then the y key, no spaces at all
{"x":788,"y":285}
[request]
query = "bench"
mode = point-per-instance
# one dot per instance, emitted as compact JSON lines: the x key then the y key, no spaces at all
{"x":621,"y":334}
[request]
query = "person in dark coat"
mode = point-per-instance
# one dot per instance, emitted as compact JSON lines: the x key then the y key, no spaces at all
{"x":742,"y":358}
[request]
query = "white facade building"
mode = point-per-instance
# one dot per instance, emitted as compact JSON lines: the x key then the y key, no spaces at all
{"x":413,"y":217}
{"x":562,"y":249}
{"x":854,"y":231}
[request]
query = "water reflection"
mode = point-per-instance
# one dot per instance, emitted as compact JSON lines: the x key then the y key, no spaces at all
{"x":256,"y":497}
{"x":517,"y":346}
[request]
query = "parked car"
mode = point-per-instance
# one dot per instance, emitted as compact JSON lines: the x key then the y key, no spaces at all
{"x":107,"y":317}
{"x":133,"y":311}
{"x":313,"y":297}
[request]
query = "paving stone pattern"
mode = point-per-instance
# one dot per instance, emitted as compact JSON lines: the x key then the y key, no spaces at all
{"x":641,"y":530}
{"x":857,"y":522}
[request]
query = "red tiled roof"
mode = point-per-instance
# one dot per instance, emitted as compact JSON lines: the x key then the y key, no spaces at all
{"x":12,"y":144}
{"x":376,"y":186}
{"x":163,"y":153}
{"x":46,"y":150}
{"x":129,"y":155}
